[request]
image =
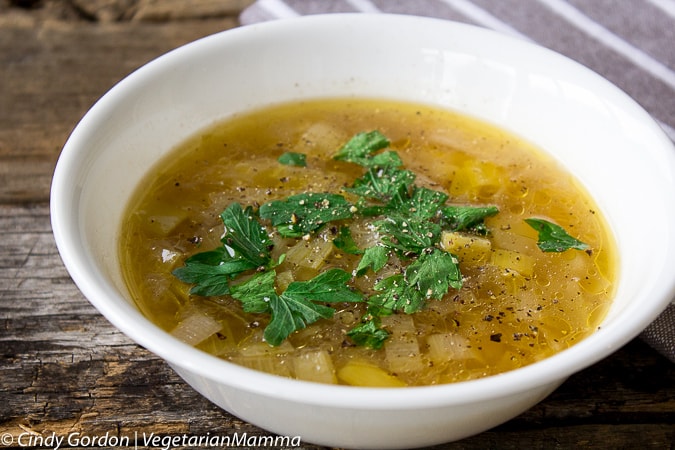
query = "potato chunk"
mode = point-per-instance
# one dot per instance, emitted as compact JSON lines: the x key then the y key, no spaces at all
{"x":361,"y":373}
{"x":470,"y":249}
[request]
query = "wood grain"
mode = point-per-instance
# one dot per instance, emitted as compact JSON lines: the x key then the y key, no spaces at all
{"x":52,"y":72}
{"x":65,"y":369}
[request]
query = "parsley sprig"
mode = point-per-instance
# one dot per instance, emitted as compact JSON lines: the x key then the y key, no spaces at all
{"x":410,"y":227}
{"x":246,"y":246}
{"x":302,"y":214}
{"x":553,"y":237}
{"x":409,"y":219}
{"x":299,"y":305}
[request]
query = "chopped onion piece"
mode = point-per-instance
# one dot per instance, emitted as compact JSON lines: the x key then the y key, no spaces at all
{"x":196,"y":328}
{"x":403,"y":357}
{"x":511,"y":260}
{"x":264,"y":349}
{"x":315,"y":365}
{"x":449,"y":346}
{"x":284,"y":279}
{"x":311,"y":254}
{"x":270,"y":364}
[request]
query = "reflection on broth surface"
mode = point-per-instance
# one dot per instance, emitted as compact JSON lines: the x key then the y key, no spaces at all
{"x":359,"y":268}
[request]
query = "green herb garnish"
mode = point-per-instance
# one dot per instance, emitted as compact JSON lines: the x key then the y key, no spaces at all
{"x":345,"y":242}
{"x":468,"y":218}
{"x":554,"y":238}
{"x":409,"y":220}
{"x":296,"y":307}
{"x":303,"y":214}
{"x":255,"y":293}
{"x":423,"y":204}
{"x":428,"y":277}
{"x":246,"y":246}
{"x":299,"y":305}
{"x":408,"y":236}
{"x":361,"y":147}
{"x":434,"y":273}
{"x":389,"y":184}
{"x":293,"y":159}
{"x":373,"y":258}
{"x":245,"y":235}
{"x":396,"y":294}
{"x":369,"y":334}
{"x":211,"y":279}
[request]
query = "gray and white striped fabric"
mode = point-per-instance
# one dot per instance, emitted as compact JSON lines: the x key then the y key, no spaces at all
{"x":629,"y":42}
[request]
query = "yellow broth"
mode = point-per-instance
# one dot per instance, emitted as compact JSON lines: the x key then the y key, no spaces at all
{"x":517,"y":304}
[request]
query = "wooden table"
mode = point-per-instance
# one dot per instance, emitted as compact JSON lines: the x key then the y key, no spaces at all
{"x":65,"y":370}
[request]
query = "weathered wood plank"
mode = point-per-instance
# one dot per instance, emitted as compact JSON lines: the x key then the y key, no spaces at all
{"x":121,"y":10}
{"x":52,"y":72}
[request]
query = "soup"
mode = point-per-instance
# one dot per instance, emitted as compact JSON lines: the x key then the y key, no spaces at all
{"x":367,"y":242}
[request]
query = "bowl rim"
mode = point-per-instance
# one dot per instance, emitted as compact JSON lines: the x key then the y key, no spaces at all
{"x":131,"y":322}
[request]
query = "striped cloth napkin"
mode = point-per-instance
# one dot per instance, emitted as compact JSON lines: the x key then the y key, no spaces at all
{"x":631,"y":43}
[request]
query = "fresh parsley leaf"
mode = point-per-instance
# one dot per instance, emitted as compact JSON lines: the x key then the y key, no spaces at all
{"x":408,"y":236}
{"x":554,"y":238}
{"x":384,"y":159}
{"x":429,"y":276}
{"x":345,"y":242}
{"x":293,"y":159}
{"x":292,"y":313}
{"x":255,"y":293}
{"x":211,"y":271}
{"x":295,"y":308}
{"x":212,"y":257}
{"x":373,"y":258}
{"x":368,"y":209}
{"x":330,"y":286}
{"x":469,"y":218}
{"x":369,"y":333}
{"x":245,"y":235}
{"x":423,"y":204}
{"x":360,"y":147}
{"x":434,"y":273}
{"x":246,"y":246}
{"x":384,"y":185}
{"x":395,"y":294}
{"x":305,"y":213}
{"x":211,"y":279}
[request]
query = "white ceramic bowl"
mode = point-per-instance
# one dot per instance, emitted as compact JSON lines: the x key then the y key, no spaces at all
{"x":590,"y":126}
